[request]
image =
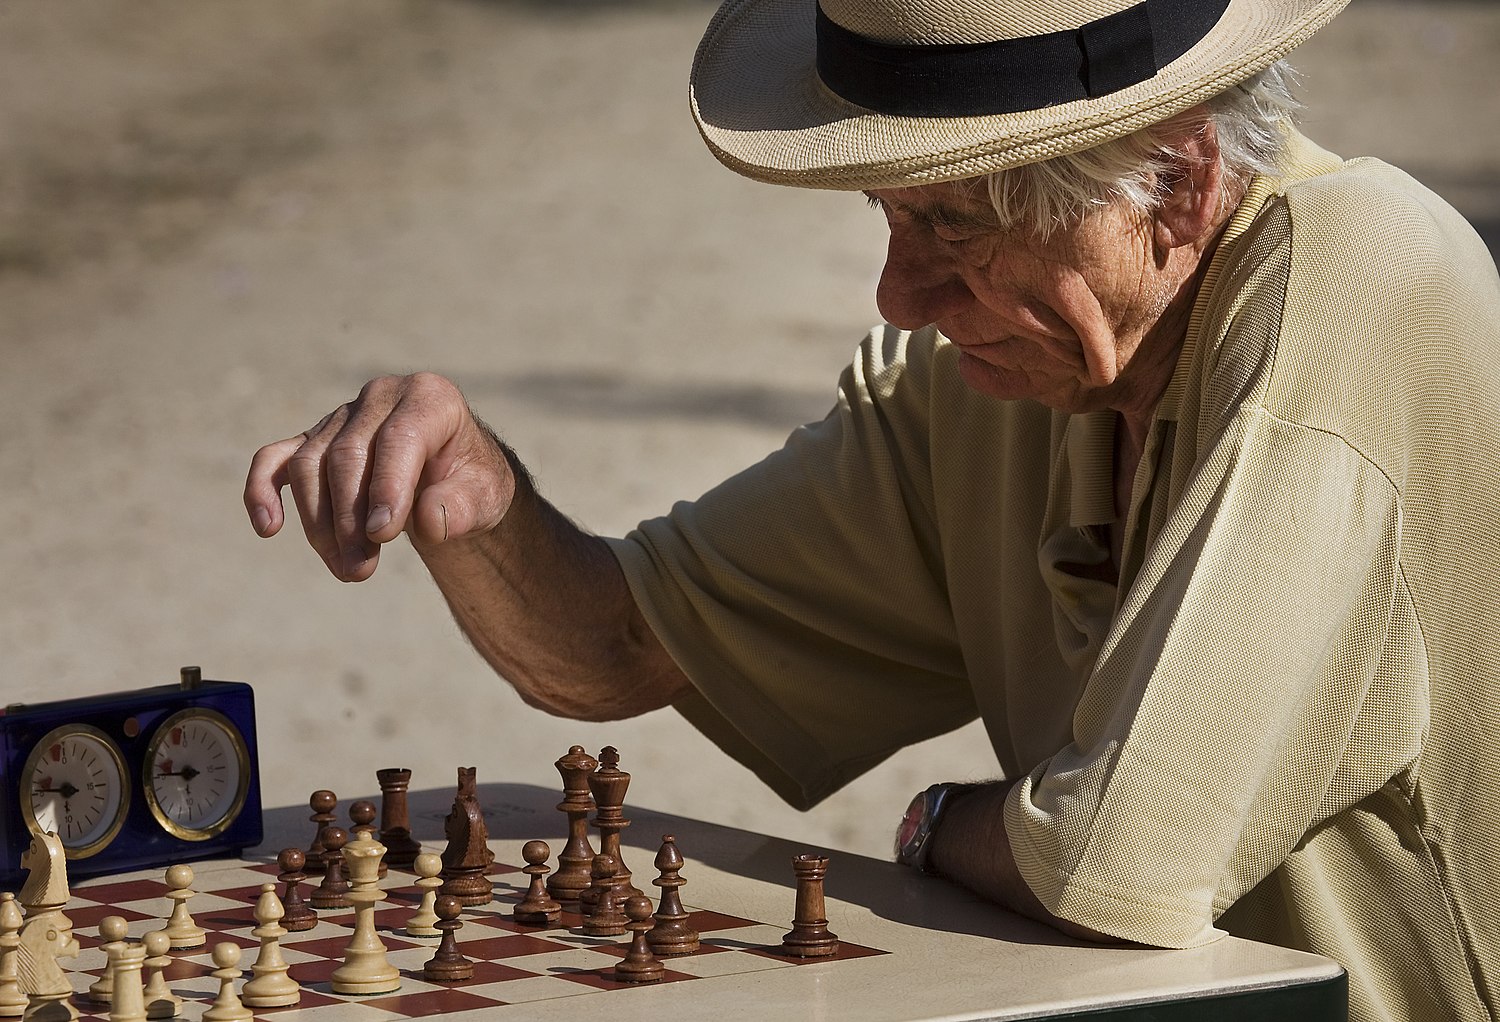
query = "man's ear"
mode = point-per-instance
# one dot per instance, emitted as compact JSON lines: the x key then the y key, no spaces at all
{"x":1189,"y":212}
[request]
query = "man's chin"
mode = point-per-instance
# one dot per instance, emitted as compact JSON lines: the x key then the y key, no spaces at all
{"x":991,"y":380}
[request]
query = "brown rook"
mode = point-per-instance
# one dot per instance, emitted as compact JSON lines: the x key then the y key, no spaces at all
{"x":810,"y":937}
{"x":395,"y":822}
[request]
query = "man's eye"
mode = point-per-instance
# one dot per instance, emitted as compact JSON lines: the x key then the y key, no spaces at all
{"x":955,"y":235}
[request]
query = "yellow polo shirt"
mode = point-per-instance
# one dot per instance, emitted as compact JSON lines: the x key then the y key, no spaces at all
{"x":1284,"y":721}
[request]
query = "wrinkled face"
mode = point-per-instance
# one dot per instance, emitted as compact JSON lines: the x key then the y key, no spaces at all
{"x":1056,"y":320}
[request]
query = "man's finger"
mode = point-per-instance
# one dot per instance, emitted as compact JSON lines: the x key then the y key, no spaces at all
{"x":309,"y":488}
{"x":346,"y":470}
{"x":449,"y":510}
{"x":263,"y":484}
{"x":409,"y":451}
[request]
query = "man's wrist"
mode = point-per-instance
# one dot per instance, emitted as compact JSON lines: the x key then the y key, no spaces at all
{"x":914,"y":837}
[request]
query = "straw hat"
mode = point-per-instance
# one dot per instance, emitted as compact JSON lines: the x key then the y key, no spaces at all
{"x":853,"y":94}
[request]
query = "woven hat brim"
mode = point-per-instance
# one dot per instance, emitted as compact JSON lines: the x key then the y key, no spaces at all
{"x":766,"y":114}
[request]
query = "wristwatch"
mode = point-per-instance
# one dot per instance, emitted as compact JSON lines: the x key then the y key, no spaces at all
{"x":914,"y":837}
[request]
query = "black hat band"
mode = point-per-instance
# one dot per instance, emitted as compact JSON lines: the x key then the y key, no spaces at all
{"x":1011,"y":75}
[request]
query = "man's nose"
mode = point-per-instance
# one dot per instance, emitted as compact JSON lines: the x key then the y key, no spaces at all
{"x":920,"y":284}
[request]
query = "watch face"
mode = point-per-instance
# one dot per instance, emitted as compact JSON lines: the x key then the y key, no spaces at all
{"x":911,"y":823}
{"x":73,"y":785}
{"x":197,"y":773}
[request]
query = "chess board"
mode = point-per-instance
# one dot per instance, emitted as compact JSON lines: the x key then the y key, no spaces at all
{"x":514,"y":963}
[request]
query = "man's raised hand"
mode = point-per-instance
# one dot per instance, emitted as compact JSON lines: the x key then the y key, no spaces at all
{"x":405,"y":455}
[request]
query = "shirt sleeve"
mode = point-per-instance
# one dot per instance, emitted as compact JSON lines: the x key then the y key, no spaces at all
{"x":804,"y":597}
{"x":1263,"y":673}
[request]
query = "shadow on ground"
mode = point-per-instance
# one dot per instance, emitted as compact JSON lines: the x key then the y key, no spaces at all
{"x":572,"y":8}
{"x":617,"y":397}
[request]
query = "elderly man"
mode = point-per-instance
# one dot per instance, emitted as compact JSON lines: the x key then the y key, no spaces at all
{"x":1176,"y":462}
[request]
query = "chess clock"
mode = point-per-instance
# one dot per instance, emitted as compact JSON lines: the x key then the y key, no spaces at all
{"x":131,"y":779}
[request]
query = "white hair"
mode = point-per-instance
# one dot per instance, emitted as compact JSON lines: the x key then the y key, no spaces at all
{"x":1248,"y":119}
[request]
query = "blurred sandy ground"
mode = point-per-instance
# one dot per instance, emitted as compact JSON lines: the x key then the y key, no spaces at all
{"x":218,"y":219}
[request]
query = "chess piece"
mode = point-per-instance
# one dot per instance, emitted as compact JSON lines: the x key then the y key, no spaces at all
{"x":365,"y":969}
{"x":47,"y":987}
{"x":809,"y":937}
{"x":423,"y":922}
{"x":671,"y":935}
{"x":608,"y":785}
{"x":112,"y":931}
{"x":362,"y":816}
{"x":639,"y":965}
{"x":448,"y":964}
{"x":227,"y":1007}
{"x":601,"y":873}
{"x":12,"y":997}
{"x":128,"y":999}
{"x":468,"y":851}
{"x":537,"y":907}
{"x":322,"y":803}
{"x":333,"y":892}
{"x":46,"y":886}
{"x":181,"y":930}
{"x":297,"y":915}
{"x":576,"y":859}
{"x":269,"y":985}
{"x":401,"y":849}
{"x":46,"y":932}
{"x":608,"y":917}
{"x":160,"y":1001}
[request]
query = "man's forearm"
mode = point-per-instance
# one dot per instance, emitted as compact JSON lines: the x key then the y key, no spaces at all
{"x":972,"y":848}
{"x":548,"y":606}
{"x":543,"y":601}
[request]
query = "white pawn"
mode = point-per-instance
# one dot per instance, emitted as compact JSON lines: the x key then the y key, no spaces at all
{"x":160,"y":1001}
{"x":12,"y":998}
{"x":112,"y":934}
{"x":270,"y":987}
{"x":227,"y":1006}
{"x":423,"y":921}
{"x":181,"y":930}
{"x":127,"y":999}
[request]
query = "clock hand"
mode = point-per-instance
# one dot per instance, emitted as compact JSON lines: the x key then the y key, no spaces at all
{"x":66,"y":791}
{"x":187,"y":773}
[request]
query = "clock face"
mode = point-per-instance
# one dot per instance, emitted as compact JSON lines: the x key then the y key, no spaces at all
{"x":197,"y":772}
{"x":73,"y":785}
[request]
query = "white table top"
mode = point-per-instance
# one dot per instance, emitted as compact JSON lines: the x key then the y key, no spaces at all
{"x":950,"y":955}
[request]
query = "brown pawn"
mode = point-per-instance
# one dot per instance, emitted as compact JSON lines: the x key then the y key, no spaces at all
{"x":536,"y":908}
{"x":608,"y":917}
{"x":401,"y":849}
{"x":448,"y":964}
{"x":671,"y":935}
{"x":322,"y":803}
{"x":577,"y":856}
{"x":362,"y":816}
{"x":333,"y":892}
{"x":298,"y":913}
{"x":810,"y":937}
{"x":639,"y":964}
